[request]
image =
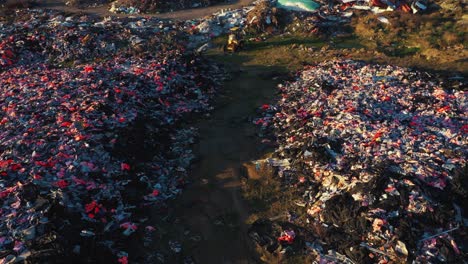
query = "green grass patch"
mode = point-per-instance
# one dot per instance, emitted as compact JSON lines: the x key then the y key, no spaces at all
{"x":281,"y":41}
{"x":348,"y":43}
{"x":400,"y":51}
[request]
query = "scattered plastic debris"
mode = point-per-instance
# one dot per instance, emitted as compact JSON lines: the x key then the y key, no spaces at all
{"x":298,"y":5}
{"x":85,"y":150}
{"x":376,"y":154}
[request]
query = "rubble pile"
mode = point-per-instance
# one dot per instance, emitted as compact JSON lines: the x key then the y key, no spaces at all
{"x":264,"y":17}
{"x":327,"y":18}
{"x":376,"y":156}
{"x":86,"y":151}
{"x":375,"y":6}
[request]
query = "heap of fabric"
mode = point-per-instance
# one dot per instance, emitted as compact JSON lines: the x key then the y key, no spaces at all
{"x":376,"y":155}
{"x":88,"y":145}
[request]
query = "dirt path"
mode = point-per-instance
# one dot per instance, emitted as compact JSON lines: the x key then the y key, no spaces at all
{"x":179,"y":15}
{"x":212,"y":209}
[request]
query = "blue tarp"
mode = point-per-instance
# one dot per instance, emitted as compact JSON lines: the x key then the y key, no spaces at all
{"x":298,"y":5}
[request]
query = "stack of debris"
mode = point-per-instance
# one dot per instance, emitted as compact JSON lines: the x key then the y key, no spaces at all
{"x":376,"y":156}
{"x":91,"y":132}
{"x":263,"y":17}
{"x":376,"y":6}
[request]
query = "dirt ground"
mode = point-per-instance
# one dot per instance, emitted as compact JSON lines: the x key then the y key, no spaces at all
{"x":212,"y":209}
{"x":180,"y":15}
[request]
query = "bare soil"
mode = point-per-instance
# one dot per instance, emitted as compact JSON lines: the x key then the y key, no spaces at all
{"x":210,"y":218}
{"x":179,"y":15}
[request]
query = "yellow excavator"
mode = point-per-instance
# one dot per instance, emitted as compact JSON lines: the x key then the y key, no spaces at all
{"x":235,"y":41}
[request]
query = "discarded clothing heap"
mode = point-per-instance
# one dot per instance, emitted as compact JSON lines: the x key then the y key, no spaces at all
{"x":63,"y":40}
{"x":85,"y":150}
{"x":7,"y":54}
{"x":376,"y":6}
{"x":380,"y":6}
{"x":376,"y":156}
{"x":323,"y":17}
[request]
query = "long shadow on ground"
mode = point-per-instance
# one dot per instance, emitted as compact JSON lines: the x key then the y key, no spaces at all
{"x":208,"y":219}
